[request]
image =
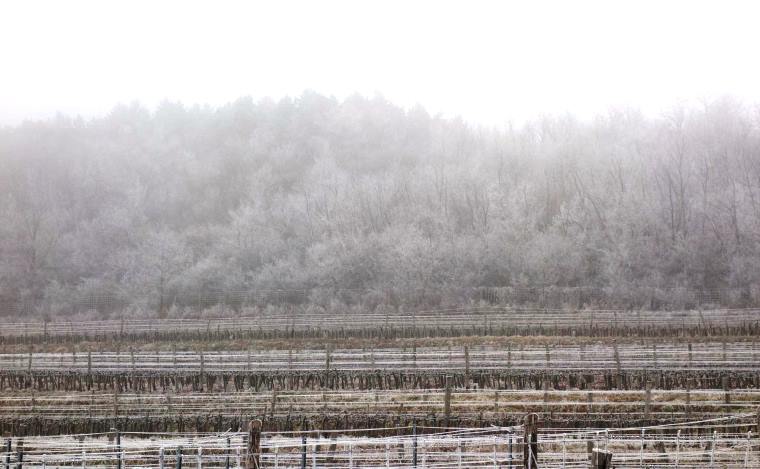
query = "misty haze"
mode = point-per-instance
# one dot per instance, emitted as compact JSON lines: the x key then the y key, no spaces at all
{"x":317,"y":201}
{"x":379,"y":235}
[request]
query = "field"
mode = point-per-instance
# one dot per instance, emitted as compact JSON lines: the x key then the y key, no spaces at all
{"x":483,"y":387}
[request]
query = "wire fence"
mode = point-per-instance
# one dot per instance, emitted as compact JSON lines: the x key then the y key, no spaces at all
{"x":476,"y":320}
{"x":724,"y":442}
{"x":724,"y":356}
{"x":655,"y":404}
{"x":218,"y":301}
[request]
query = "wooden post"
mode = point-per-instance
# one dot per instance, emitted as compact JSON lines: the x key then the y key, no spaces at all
{"x":530,"y":442}
{"x":466,"y":367}
{"x":253,"y":460}
{"x":648,"y":399}
{"x":303,"y":451}
{"x":118,"y":450}
{"x":690,"y":355}
{"x":447,"y":400}
{"x":726,"y":393}
{"x":20,"y":454}
{"x":618,"y":366}
{"x":414,"y":445}
{"x":601,"y":459}
{"x":688,"y":396}
{"x":9,"y":447}
{"x":227,"y":458}
{"x":203,"y":372}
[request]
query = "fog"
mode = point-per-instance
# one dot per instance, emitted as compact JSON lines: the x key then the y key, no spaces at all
{"x":154,"y":155}
{"x":490,"y":62}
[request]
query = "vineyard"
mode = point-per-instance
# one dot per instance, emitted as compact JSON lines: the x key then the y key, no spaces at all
{"x":481,"y":387}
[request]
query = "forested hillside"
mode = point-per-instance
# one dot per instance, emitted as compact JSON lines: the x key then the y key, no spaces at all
{"x":361,"y":194}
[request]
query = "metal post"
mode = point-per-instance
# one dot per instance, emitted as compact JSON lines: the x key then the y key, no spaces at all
{"x":564,"y":453}
{"x":495,"y":463}
{"x":509,"y":457}
{"x":179,"y":457}
{"x":530,"y":456}
{"x":350,"y":456}
{"x":387,"y":455}
{"x":459,"y":454}
{"x":530,"y":442}
{"x":678,"y":448}
{"x":237,"y":458}
{"x":314,"y":455}
{"x":746,"y":450}
{"x":199,"y":459}
{"x":712,"y":450}
{"x":84,"y":458}
{"x":641,"y":449}
{"x":161,"y":458}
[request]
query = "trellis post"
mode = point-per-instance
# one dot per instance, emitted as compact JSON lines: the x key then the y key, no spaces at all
{"x":226,"y":459}
{"x":530,"y":442}
{"x":303,"y":451}
{"x":712,"y":449}
{"x":414,"y":445}
{"x":447,"y":400}
{"x":746,"y":450}
{"x":8,"y":448}
{"x":118,"y":448}
{"x":601,"y":459}
{"x":20,"y":453}
{"x":678,"y":448}
{"x":253,"y":459}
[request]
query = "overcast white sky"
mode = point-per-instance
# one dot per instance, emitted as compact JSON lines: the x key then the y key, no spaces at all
{"x":488,"y":61}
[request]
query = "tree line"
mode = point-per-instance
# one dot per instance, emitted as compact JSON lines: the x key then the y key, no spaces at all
{"x":318,"y":193}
